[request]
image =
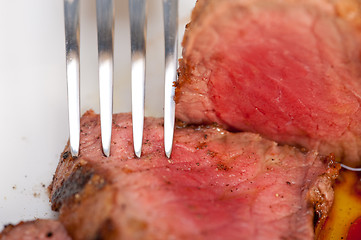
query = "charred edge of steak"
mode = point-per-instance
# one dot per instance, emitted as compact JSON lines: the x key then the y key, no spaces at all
{"x":321,"y":193}
{"x":70,"y":187}
{"x":184,"y":74}
{"x":76,"y":188}
{"x":73,"y":185}
{"x":8,"y":228}
{"x":92,"y":218}
{"x":180,"y":124}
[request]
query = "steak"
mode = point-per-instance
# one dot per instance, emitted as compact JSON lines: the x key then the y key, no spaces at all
{"x":217,"y":185}
{"x":35,"y":230}
{"x":288,"y":70}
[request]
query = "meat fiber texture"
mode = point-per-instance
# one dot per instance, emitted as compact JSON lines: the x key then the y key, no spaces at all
{"x":288,"y":70}
{"x":217,"y":185}
{"x":35,"y":230}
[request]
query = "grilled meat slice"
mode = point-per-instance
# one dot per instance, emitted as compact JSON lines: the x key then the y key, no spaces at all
{"x":35,"y":230}
{"x":217,"y":185}
{"x":288,"y":70}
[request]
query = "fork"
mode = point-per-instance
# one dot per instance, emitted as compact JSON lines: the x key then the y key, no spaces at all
{"x":105,"y":29}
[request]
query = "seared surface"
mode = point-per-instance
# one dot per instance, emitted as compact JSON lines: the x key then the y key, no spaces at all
{"x":288,"y":70}
{"x":217,"y":185}
{"x":35,"y":230}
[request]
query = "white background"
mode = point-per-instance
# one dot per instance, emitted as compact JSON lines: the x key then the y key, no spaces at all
{"x":33,"y":120}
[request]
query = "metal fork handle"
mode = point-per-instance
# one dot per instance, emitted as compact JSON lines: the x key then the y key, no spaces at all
{"x":170,"y":14}
{"x":138,"y":27}
{"x":105,"y":24}
{"x":71,"y":21}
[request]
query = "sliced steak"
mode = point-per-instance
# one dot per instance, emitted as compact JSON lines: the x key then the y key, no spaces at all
{"x":217,"y":185}
{"x":288,"y":70}
{"x":35,"y":230}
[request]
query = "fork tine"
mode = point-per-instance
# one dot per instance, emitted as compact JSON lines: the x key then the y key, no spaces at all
{"x":105,"y":23}
{"x":71,"y":20}
{"x":170,"y":14}
{"x":137,"y":14}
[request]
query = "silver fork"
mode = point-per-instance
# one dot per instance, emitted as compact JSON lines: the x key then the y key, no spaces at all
{"x":71,"y":20}
{"x":170,"y":15}
{"x":138,"y":27}
{"x":138,"y":33}
{"x":105,"y":24}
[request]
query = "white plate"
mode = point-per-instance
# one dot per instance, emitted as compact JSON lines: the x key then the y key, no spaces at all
{"x":33,"y":122}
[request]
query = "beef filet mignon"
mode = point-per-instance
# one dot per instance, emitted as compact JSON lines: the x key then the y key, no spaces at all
{"x":217,"y":185}
{"x":35,"y":230}
{"x":288,"y":70}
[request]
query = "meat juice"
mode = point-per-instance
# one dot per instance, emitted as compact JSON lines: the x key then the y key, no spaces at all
{"x":344,"y":220}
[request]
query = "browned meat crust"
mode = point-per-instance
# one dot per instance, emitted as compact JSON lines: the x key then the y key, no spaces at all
{"x":35,"y":230}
